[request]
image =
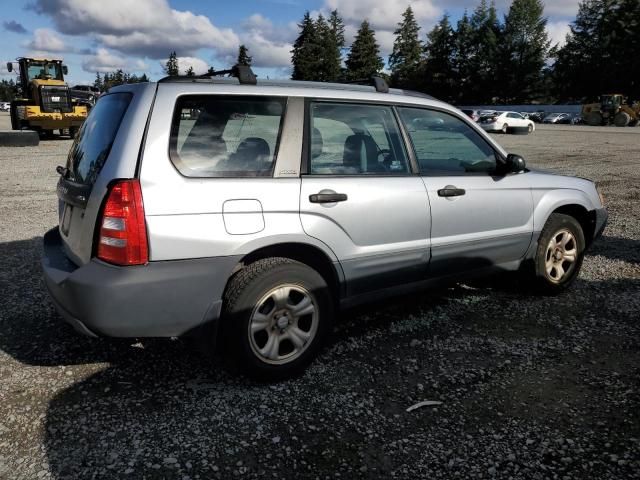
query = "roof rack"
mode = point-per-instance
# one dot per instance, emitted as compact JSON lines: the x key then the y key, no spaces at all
{"x":243,"y":73}
{"x":378,"y":82}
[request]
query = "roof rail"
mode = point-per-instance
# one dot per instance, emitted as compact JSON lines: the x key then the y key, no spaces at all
{"x":243,"y":73}
{"x":378,"y":82}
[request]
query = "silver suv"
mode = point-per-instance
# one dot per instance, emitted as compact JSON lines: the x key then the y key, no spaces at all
{"x":254,"y":210}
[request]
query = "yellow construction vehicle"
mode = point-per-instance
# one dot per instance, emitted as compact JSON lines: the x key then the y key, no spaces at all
{"x":612,"y":108}
{"x":44,"y":102}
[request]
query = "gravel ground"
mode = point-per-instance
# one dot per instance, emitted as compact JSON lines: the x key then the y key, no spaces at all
{"x":531,"y":387}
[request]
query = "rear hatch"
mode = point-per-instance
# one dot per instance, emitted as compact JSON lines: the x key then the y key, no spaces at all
{"x":106,"y":148}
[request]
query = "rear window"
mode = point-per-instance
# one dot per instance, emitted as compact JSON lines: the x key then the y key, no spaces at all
{"x":226,"y":136}
{"x":92,"y":145}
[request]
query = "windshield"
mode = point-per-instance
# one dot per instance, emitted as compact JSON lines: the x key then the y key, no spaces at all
{"x":93,"y":143}
{"x":45,"y":71}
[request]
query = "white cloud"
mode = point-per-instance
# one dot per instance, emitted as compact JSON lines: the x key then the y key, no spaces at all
{"x":383,"y":14}
{"x":105,"y":61}
{"x":199,"y":65}
{"x":46,"y":40}
{"x":558,"y":32}
{"x":268,"y":44}
{"x":144,"y":27}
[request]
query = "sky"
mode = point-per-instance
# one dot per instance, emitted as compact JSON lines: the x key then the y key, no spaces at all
{"x":138,"y":35}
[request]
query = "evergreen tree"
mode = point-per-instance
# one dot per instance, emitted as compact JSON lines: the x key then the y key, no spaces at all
{"x":7,"y":90}
{"x":171,"y":67}
{"x":243,"y":56}
{"x":324,"y":69}
{"x":524,"y":50}
{"x":364,"y":60}
{"x":335,"y":46}
{"x":190,"y":72}
{"x":305,"y":53}
{"x":98,"y":82}
{"x":601,"y":51}
{"x":143,"y":78}
{"x":462,"y":61}
{"x":405,"y":58}
{"x":486,"y":32}
{"x":438,"y":77}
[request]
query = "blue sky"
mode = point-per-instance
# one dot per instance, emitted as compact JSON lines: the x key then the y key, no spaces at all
{"x":138,"y":35}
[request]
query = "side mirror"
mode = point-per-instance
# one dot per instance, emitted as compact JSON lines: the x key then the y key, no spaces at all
{"x":9,"y":67}
{"x":65,"y":70}
{"x":515,"y":163}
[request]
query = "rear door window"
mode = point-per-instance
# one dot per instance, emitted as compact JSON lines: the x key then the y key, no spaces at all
{"x":92,"y":145}
{"x":226,"y":136}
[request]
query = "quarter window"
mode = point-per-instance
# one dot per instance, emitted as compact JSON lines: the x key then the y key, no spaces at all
{"x":445,"y":145}
{"x":219,"y":136}
{"x":350,"y":139}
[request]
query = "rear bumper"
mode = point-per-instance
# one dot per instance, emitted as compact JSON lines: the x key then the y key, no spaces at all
{"x":160,"y":299}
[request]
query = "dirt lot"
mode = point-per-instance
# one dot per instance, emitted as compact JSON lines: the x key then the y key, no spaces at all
{"x":531,"y":387}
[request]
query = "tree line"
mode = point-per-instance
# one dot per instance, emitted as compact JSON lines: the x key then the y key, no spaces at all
{"x":483,"y":59}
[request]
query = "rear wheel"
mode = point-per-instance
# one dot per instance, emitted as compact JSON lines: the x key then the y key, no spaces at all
{"x":530,"y":129}
{"x":505,"y":128}
{"x":622,"y":119}
{"x":594,"y":119}
{"x":559,"y":255}
{"x":277,"y":314}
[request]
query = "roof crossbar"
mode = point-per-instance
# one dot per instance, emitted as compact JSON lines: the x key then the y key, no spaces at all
{"x":243,"y":73}
{"x":378,"y":82}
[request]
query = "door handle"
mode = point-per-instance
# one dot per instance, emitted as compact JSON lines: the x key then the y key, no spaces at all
{"x":327,"y":197}
{"x":451,"y":191}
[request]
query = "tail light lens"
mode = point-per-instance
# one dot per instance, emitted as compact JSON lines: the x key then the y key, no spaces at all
{"x":123,"y":233}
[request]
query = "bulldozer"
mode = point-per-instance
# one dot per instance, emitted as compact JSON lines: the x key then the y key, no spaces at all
{"x":612,"y":108}
{"x":44,"y":102}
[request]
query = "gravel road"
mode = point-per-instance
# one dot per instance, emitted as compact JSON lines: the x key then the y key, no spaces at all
{"x":531,"y":387}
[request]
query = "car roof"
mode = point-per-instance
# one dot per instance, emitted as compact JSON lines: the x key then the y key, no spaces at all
{"x":291,"y":88}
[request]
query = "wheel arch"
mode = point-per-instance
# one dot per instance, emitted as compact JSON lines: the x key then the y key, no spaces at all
{"x":310,"y":255}
{"x":586,"y":219}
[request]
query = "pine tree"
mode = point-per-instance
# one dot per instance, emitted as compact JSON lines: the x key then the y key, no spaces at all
{"x":305,"y":53}
{"x":334,"y":46}
{"x":462,"y":61}
{"x":524,"y":51}
{"x":600,"y":52}
{"x":144,"y":78}
{"x":405,"y":58}
{"x":486,"y":32}
{"x":364,"y":60}
{"x":190,"y":72}
{"x":98,"y":82}
{"x":171,"y":67}
{"x":438,"y":73}
{"x":243,"y":56}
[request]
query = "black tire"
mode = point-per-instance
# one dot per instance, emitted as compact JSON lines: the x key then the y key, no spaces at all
{"x":505,"y":128}
{"x":15,"y":123}
{"x":594,"y":119}
{"x":530,"y":129}
{"x":243,"y":296}
{"x":622,"y":119}
{"x":73,"y":131}
{"x":543,"y":281}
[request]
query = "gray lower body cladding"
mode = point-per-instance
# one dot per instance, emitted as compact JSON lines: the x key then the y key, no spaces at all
{"x":160,"y":299}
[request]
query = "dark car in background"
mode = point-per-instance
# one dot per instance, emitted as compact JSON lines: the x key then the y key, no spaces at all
{"x":472,"y":114}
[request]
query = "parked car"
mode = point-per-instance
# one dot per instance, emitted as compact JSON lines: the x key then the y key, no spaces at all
{"x":5,"y":106}
{"x":537,"y":117}
{"x":88,"y":88}
{"x":557,"y":118}
{"x":577,"y":119}
{"x":250,"y":220}
{"x":506,"y":122}
{"x":472,"y":114}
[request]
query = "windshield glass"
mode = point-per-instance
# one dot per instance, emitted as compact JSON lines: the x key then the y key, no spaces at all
{"x":93,"y":143}
{"x":45,"y":71}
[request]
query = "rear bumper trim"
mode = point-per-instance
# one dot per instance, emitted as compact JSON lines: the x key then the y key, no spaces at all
{"x":160,"y":299}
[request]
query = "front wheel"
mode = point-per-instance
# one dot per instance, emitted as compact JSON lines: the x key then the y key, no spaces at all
{"x":505,"y":128}
{"x":559,"y":255}
{"x":277,"y":314}
{"x":530,"y":129}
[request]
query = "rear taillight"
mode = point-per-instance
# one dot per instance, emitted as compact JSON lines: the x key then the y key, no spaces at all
{"x":123,"y":233}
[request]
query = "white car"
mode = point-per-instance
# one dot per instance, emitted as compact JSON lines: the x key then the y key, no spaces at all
{"x":4,"y":106}
{"x":506,"y":122}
